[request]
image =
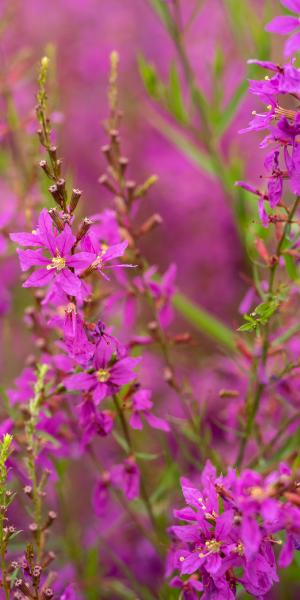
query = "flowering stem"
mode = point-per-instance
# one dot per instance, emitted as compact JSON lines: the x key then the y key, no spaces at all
{"x":4,"y":454}
{"x":127,"y":436}
{"x":260,"y":386}
{"x":33,"y":449}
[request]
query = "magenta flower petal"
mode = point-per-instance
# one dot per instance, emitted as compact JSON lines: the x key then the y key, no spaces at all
{"x":31,"y":258}
{"x":79,"y":381}
{"x":115,"y":251}
{"x":81,"y":260}
{"x":135,"y":421}
{"x":69,"y":282}
{"x":45,"y":228}
{"x":100,"y":392}
{"x":186,"y":533}
{"x":287,"y":553}
{"x":282,"y":25}
{"x":26,"y":239}
{"x":292,"y":44}
{"x":65,"y":241}
{"x":293,"y":5}
{"x":156,"y":422}
{"x":40,"y":277}
{"x":191,"y":563}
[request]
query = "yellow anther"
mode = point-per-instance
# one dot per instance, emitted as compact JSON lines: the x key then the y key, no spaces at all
{"x":102,"y":375}
{"x":239,"y":549}
{"x":58,"y":263}
{"x":213,"y":545}
{"x":257,"y":492}
{"x":181,"y":558}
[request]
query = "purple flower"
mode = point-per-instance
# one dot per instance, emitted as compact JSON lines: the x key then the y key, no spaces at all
{"x":189,"y":588}
{"x":103,"y":254}
{"x":126,"y":476}
{"x":61,"y":264}
{"x":236,"y":533}
{"x":94,"y":422}
{"x":106,"y":378}
{"x":162,"y":292}
{"x":286,"y":24}
{"x":275,"y":183}
{"x":101,"y":494}
{"x":141,"y":406}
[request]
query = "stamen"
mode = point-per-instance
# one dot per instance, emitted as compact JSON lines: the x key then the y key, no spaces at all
{"x":102,"y":375}
{"x":58,"y":263}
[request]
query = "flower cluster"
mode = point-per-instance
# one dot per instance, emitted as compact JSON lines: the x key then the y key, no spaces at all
{"x":233,"y":525}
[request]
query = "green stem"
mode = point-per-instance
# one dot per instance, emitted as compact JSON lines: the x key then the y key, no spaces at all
{"x":127,"y":436}
{"x":253,"y":405}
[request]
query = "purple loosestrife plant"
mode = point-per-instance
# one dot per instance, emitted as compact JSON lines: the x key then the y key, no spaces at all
{"x":83,"y":420}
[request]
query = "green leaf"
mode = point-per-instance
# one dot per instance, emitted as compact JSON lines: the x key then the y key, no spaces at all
{"x":121,"y":441}
{"x":151,"y":81}
{"x":169,"y":481}
{"x":147,"y":456}
{"x":162,"y":10}
{"x":183,"y":143}
{"x":115,"y":586}
{"x":230,"y":110}
{"x":174,"y":97}
{"x":291,"y":267}
{"x":204,"y":321}
{"x":249,"y":327}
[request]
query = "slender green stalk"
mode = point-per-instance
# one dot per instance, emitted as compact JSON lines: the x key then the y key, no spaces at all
{"x":127,"y":436}
{"x":33,"y":447}
{"x":254,"y":402}
{"x":5,"y":445}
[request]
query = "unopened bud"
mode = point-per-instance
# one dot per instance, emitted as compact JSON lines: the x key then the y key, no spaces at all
{"x":182,"y":338}
{"x":36,"y":571}
{"x":43,"y":164}
{"x":106,"y":151}
{"x":28,"y":491}
{"x":53,"y":152}
{"x":61,"y":186}
{"x":33,"y":527}
{"x":56,"y":218}
{"x":103,"y":180}
{"x":142,"y":189}
{"x":83,"y":229}
{"x":51,"y":518}
{"x":53,"y":189}
{"x":76,"y":195}
{"x":41,"y":136}
{"x":123,"y":162}
{"x":150,"y":224}
{"x":229,"y":393}
{"x":130,"y":187}
{"x":58,"y":166}
{"x":48,"y":559}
